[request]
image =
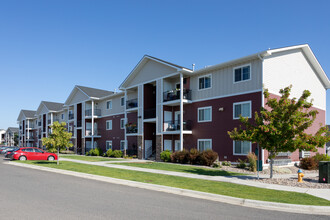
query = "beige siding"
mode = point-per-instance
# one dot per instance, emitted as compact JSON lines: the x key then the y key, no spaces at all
{"x":223,"y":82}
{"x":43,"y":110}
{"x":116,"y":108}
{"x":151,"y":71}
{"x":291,"y":67}
{"x":78,"y":97}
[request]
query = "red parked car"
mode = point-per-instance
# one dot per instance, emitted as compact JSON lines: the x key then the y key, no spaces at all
{"x":32,"y":153}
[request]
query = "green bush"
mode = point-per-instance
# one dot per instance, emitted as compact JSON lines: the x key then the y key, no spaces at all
{"x":208,"y":157}
{"x":180,"y":157}
{"x":95,"y":152}
{"x":117,"y":153}
{"x":308,"y":163}
{"x":321,"y":157}
{"x":252,"y":159}
{"x":216,"y":165}
{"x":109,"y":153}
{"x":226,"y":163}
{"x":194,"y":156}
{"x":241,"y":164}
{"x":165,"y":156}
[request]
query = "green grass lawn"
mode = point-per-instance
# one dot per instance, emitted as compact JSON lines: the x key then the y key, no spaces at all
{"x":91,"y":159}
{"x":182,"y":168}
{"x":222,"y":188}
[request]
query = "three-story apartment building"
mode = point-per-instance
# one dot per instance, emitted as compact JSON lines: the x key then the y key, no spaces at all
{"x":10,"y":136}
{"x":27,"y":128}
{"x":164,"y":106}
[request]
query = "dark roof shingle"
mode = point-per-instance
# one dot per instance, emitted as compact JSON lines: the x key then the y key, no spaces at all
{"x":97,"y":93}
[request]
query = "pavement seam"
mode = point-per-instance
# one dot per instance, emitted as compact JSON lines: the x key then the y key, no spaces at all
{"x":285,"y":207}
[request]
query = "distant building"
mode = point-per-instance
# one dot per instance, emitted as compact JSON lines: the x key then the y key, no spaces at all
{"x":2,"y":135}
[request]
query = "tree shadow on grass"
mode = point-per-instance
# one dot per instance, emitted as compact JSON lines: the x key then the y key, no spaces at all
{"x":44,"y":162}
{"x":211,"y":172}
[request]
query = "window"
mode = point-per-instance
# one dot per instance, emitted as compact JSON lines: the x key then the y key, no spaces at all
{"x":204,"y":82}
{"x":242,"y":108}
{"x":122,"y":145}
{"x":205,"y":114}
{"x":108,"y":145}
{"x":204,"y":144}
{"x":122,"y":101}
{"x":109,"y":125}
{"x":38,"y":151}
{"x":109,"y":104}
{"x":242,"y":73}
{"x":242,"y":147}
{"x":62,"y":116}
{"x":122,"y":123}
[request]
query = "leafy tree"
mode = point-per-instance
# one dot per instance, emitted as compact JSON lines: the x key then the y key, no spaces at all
{"x":282,"y":127}
{"x":59,"y":139}
{"x":15,"y":139}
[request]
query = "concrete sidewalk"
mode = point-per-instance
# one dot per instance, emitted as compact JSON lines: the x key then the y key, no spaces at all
{"x":243,"y":180}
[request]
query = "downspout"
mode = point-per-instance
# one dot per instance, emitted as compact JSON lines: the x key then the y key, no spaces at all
{"x":262,"y":152}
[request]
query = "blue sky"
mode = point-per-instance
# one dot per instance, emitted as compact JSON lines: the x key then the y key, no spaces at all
{"x":47,"y":47}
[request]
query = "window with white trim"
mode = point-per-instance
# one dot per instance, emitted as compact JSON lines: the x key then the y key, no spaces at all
{"x":122,"y":123}
{"x":109,"y":124}
{"x":204,"y":114}
{"x":242,"y":108}
{"x":204,"y":144}
{"x":122,"y":144}
{"x":122,"y":101}
{"x":242,"y":73}
{"x":242,"y":147}
{"x":109,"y":104}
{"x":108,"y":145}
{"x":204,"y":82}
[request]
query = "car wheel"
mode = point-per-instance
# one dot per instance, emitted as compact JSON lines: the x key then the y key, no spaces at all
{"x":51,"y":158}
{"x":22,"y":158}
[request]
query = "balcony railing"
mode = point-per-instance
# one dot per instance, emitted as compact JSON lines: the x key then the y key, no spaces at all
{"x":97,"y":112}
{"x":30,"y":127}
{"x":71,"y":116}
{"x":175,"y":94}
{"x":131,"y":128}
{"x":89,"y":132}
{"x":133,"y":103}
{"x":50,"y":121}
{"x":149,"y":113}
{"x":174,"y":125}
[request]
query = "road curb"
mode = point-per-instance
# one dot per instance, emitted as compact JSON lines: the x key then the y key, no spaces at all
{"x":284,"y":207}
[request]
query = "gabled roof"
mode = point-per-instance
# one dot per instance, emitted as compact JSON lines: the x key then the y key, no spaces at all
{"x":28,"y":114}
{"x":50,"y":106}
{"x":12,"y":129}
{"x":94,"y":93}
{"x":90,"y":93}
{"x":143,"y":61}
{"x":304,"y":47}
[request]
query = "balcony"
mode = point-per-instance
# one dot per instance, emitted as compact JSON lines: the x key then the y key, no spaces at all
{"x":50,"y":121}
{"x":133,"y":103}
{"x":174,"y":126}
{"x":30,"y":127}
{"x":71,"y":116}
{"x":88,"y":133}
{"x":30,"y":138}
{"x":149,"y":113}
{"x":131,"y":128}
{"x":39,"y":136}
{"x":88,"y":112}
{"x":175,"y":95}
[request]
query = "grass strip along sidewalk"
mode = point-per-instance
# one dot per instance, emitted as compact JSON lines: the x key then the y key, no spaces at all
{"x":222,"y":188}
{"x":182,"y":168}
{"x":90,"y":159}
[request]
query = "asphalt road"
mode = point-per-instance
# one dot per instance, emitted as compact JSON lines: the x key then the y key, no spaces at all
{"x":33,"y":194}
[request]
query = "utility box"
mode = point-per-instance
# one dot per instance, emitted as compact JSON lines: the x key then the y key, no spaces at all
{"x":324,"y":172}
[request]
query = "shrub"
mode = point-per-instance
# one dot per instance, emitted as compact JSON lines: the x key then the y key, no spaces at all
{"x":165,"y":156}
{"x":117,"y":153}
{"x":208,"y":157}
{"x":252,"y":159}
{"x":226,"y":163}
{"x":180,"y":157}
{"x":241,"y":164}
{"x":109,"y":153}
{"x":308,"y":163}
{"x":194,"y":156}
{"x":216,"y":165}
{"x":321,"y":157}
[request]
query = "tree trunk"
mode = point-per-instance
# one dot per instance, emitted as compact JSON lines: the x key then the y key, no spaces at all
{"x":125,"y":152}
{"x":58,"y":156}
{"x":271,"y":164}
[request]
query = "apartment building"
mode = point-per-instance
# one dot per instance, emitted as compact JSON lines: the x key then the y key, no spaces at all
{"x":27,"y":128}
{"x":46,"y":114}
{"x":2,"y":135}
{"x":177,"y":108}
{"x":10,"y":136}
{"x":164,"y":106}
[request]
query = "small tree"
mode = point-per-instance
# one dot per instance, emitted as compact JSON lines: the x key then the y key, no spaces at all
{"x":282,"y":127}
{"x":59,"y":139}
{"x":15,"y":139}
